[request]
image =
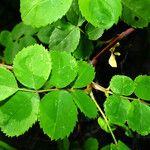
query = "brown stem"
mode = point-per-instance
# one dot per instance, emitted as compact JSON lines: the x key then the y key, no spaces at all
{"x":111,"y":44}
{"x":6,"y":66}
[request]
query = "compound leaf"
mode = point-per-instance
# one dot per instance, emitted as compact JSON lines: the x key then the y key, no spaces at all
{"x":58,"y":114}
{"x":32,"y":66}
{"x":93,"y":32}
{"x":64,"y":38}
{"x":142,"y":87}
{"x":19,"y":113}
{"x":122,"y":85}
{"x":41,"y":13}
{"x":74,"y":14}
{"x":136,"y":12}
{"x":116,"y":109}
{"x":85,"y":76}
{"x":21,"y":29}
{"x":85,"y":104}
{"x":45,"y":33}
{"x":64,"y":69}
{"x":100,"y":13}
{"x":138,"y":117}
{"x":8,"y":84}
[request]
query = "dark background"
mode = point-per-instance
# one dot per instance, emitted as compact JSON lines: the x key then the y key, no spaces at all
{"x":134,"y":60}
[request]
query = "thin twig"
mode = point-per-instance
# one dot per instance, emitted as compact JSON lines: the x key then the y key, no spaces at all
{"x":6,"y":66}
{"x":111,"y":44}
{"x":105,"y":118}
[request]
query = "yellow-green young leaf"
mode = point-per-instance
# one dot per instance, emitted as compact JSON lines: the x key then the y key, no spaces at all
{"x":91,"y":144}
{"x":138,"y":117}
{"x":101,"y":13}
{"x":116,"y":109}
{"x":8,"y":84}
{"x":93,"y":32}
{"x":85,"y":104}
{"x":136,"y":12}
{"x":103,"y":125}
{"x":41,"y":13}
{"x":65,"y":37}
{"x":21,"y":29}
{"x":19,"y":113}
{"x":64,"y":69}
{"x":85,"y":76}
{"x":45,"y":33}
{"x":32,"y":66}
{"x":122,"y":85}
{"x":58,"y":114}
{"x":142,"y":87}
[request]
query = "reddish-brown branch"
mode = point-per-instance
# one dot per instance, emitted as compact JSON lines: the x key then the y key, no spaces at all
{"x":111,"y":44}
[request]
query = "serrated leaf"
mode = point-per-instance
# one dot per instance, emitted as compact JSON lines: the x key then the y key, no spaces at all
{"x":5,"y":38}
{"x":138,"y":117}
{"x":122,"y":85}
{"x":85,"y":76}
{"x":55,"y":109}
{"x":116,"y":109}
{"x":100,"y":13}
{"x":45,"y":33}
{"x":84,"y":49}
{"x":64,"y":69}
{"x":41,"y":13}
{"x":142,"y":87}
{"x":120,"y":146}
{"x":8,"y":84}
{"x":136,"y":12}
{"x":91,"y":144}
{"x":65,"y":38}
{"x":74,"y":14}
{"x":21,"y":29}
{"x":32,"y":66}
{"x":19,"y":113}
{"x":93,"y":32}
{"x":85,"y":104}
{"x":13,"y":48}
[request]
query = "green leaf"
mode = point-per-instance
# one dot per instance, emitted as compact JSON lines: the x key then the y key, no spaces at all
{"x":64,"y":38}
{"x":5,"y":38}
{"x":64,"y":69}
{"x":93,"y":32}
{"x":14,"y":47}
{"x":19,"y":113}
{"x":41,"y":13}
{"x":63,"y":144}
{"x":32,"y":66}
{"x":85,"y":76}
{"x":136,"y":12}
{"x":85,"y":104}
{"x":142,"y":87}
{"x":116,"y":109}
{"x":84,"y":49}
{"x":122,"y":85}
{"x":21,"y":29}
{"x":8,"y":84}
{"x":138,"y":117}
{"x":55,"y":109}
{"x":120,"y":146}
{"x":45,"y":33}
{"x":91,"y":144}
{"x":74,"y":14}
{"x":100,"y":13}
{"x":104,"y":126}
